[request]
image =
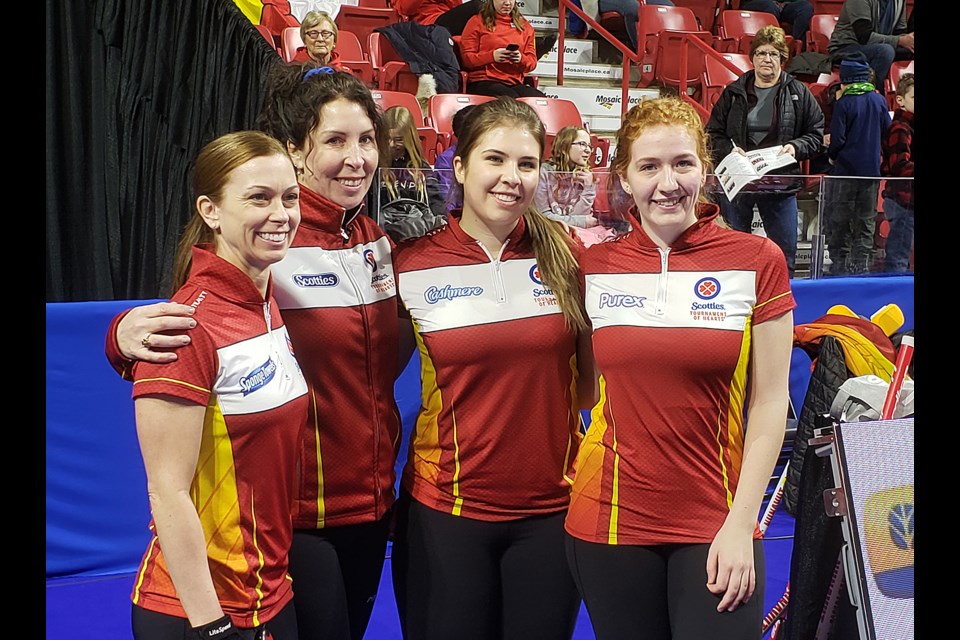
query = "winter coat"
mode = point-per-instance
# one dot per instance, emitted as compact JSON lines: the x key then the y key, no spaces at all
{"x":797,"y":120}
{"x":427,"y":49}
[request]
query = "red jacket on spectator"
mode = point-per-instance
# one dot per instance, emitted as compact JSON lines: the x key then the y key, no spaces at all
{"x":334,"y":62}
{"x":478,"y":44}
{"x":424,"y":11}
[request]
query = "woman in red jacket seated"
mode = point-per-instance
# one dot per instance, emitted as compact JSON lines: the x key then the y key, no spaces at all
{"x":497,"y":50}
{"x":319,"y":34}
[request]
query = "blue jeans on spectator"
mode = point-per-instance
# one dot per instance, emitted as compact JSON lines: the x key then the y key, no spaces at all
{"x":629,"y":9}
{"x":900,"y":238}
{"x":797,"y":13}
{"x":778,"y":212}
{"x":879,"y":56}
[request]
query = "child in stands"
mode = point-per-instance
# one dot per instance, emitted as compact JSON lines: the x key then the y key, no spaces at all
{"x":860,"y":120}
{"x":898,"y":194}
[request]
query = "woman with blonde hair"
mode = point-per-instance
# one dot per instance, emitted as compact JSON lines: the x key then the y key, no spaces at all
{"x":494,"y":300}
{"x":411,"y":199}
{"x":319,"y":33}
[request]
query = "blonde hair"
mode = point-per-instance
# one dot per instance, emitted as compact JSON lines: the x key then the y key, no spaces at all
{"x":552,"y":245}
{"x":211,"y":172}
{"x":313,"y":18}
{"x":772,"y":35}
{"x":667,"y":111}
{"x":400,"y":119}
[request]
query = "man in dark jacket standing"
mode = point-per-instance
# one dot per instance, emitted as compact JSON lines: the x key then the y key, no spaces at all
{"x":767,"y":107}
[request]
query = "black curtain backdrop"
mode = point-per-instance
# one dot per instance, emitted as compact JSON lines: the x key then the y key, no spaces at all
{"x":134,"y":89}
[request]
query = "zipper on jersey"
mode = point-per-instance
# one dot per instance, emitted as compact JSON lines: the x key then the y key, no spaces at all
{"x":495,"y":272}
{"x":274,"y":337}
{"x":661,"y":305}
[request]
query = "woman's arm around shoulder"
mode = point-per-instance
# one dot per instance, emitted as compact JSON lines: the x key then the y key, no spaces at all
{"x":148,"y":333}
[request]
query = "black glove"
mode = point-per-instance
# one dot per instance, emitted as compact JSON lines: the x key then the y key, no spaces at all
{"x":221,"y":629}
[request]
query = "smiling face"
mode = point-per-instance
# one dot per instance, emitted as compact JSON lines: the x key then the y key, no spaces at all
{"x":256,"y":216}
{"x":341,"y":154}
{"x":664,"y":177}
{"x":320,"y":41}
{"x":499,"y":178}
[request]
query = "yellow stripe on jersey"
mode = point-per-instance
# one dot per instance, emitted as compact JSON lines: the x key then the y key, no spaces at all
{"x":143,"y":568}
{"x":574,"y":410}
{"x":458,"y":502}
{"x":734,"y":418}
{"x":425,"y":440}
{"x":215,"y":493}
{"x":597,"y":417}
{"x":172,"y":381}
{"x":256,"y":545}
{"x":321,"y":503}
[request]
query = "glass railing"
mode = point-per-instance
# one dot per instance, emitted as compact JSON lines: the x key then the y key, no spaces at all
{"x":844,"y":226}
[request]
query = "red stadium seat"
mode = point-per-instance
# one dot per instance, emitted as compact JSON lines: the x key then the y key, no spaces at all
{"x":737,"y":28}
{"x":290,"y":43}
{"x":556,"y":113}
{"x":441,"y":109}
{"x":705,"y":10}
{"x":276,"y":17}
{"x":821,"y":28}
{"x":353,"y":57}
{"x":361,"y":21}
{"x":716,"y":76}
{"x":391,"y":71}
{"x":653,"y":20}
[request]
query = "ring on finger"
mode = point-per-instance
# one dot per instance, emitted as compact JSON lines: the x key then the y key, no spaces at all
{"x":146,"y":341}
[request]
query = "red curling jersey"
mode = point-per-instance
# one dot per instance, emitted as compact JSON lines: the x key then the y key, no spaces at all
{"x":338,"y":294}
{"x":498,"y":426}
{"x":240,"y":365}
{"x":671,"y":338}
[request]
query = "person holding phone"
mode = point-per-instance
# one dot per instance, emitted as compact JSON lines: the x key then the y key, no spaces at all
{"x":497,"y":49}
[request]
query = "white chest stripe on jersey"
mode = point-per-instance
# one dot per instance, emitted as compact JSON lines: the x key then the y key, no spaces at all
{"x":311,"y":277}
{"x":258,"y":374}
{"x":464,"y":296}
{"x":707,"y":299}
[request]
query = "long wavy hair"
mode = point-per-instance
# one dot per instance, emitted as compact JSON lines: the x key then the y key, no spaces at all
{"x":489,"y":16}
{"x":552,"y":245}
{"x":399,"y":120}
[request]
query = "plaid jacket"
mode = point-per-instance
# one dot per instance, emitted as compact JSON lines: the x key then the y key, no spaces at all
{"x":898,"y":158}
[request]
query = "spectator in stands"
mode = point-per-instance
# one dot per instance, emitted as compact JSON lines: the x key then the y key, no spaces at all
{"x":859,"y":123}
{"x":209,"y":571}
{"x":797,"y":13}
{"x":898,"y":194}
{"x":455,"y":20}
{"x":875,"y":28}
{"x":411,"y":201}
{"x":767,"y":107}
{"x":343,"y":324}
{"x":494,"y":298}
{"x":444,"y":163}
{"x":663,"y":536}
{"x":629,"y":9}
{"x":497,"y":51}
{"x":424,"y":12}
{"x":567,"y":188}
{"x":319,"y":34}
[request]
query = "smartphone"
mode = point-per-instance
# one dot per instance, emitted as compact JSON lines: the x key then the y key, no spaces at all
{"x":513,"y":47}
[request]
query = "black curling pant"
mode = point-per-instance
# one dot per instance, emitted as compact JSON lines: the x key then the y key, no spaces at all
{"x":659,"y":592}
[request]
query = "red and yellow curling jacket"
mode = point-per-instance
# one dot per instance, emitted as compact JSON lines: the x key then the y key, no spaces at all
{"x":337,"y":291}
